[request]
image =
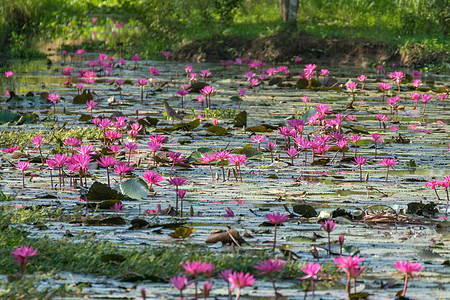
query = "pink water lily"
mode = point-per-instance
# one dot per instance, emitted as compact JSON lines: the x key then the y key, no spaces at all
{"x":408,"y":268}
{"x":311,"y":270}
{"x":269,"y":267}
{"x":276,"y":219}
{"x":240,"y":280}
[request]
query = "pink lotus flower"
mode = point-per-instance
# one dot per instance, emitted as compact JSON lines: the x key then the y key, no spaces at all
{"x":142,"y":81}
{"x":123,"y":168}
{"x":21,"y":255}
{"x":359,"y":162}
{"x":205,"y":73}
{"x":177,"y":182}
{"x":136,"y":58}
{"x":229,"y":213}
{"x":259,"y":139}
{"x":276,"y":219}
{"x":388,"y":162}
{"x":166,"y":54}
{"x":408,"y":268}
{"x":107,"y":162}
{"x":11,"y":150}
{"x":270,"y":266}
{"x":207,"y":158}
{"x":240,"y":280}
{"x":350,"y":265}
{"x":328,"y":225}
{"x":152,"y":178}
{"x":22,"y":166}
{"x":311,"y":270}
{"x":176,"y":158}
{"x":351,"y":86}
{"x":8,"y":74}
{"x":180,"y":283}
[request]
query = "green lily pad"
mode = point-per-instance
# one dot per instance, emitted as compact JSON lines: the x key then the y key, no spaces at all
{"x":305,"y":210}
{"x":135,"y":188}
{"x":7,"y":116}
{"x":99,"y":192}
{"x":240,"y":119}
{"x":83,"y":97}
{"x":235,"y":98}
{"x":113,"y":221}
{"x":196,"y":154}
{"x":197,"y":86}
{"x":216,"y":130}
{"x":259,"y":129}
{"x":308,"y":114}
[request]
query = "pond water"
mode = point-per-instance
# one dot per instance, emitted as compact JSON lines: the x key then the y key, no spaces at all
{"x":266,"y":187}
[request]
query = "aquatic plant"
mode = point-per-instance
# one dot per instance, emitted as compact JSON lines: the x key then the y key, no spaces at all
{"x":276,"y":219}
{"x":328,"y":226}
{"x":21,"y":255}
{"x":269,"y":267}
{"x":408,"y":268}
{"x":311,"y":270}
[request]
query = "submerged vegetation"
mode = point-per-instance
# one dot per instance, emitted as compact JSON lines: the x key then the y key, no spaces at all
{"x":416,"y":28}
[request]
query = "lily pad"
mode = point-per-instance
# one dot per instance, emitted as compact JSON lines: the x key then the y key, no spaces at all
{"x":83,"y":97}
{"x":240,"y":119}
{"x":259,"y":129}
{"x":196,"y":154}
{"x":305,"y":210}
{"x":197,"y":86}
{"x":135,"y":188}
{"x":421,"y":209}
{"x":99,"y":192}
{"x":216,"y":130}
{"x":7,"y":116}
{"x":113,"y":221}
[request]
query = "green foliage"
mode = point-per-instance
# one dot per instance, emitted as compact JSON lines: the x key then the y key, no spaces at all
{"x":152,"y":26}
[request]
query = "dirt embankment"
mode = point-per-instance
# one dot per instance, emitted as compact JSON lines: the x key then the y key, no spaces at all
{"x":283,"y":47}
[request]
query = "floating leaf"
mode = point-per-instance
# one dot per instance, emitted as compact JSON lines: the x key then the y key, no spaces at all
{"x":196,"y":154}
{"x":83,"y":97}
{"x":7,"y":116}
{"x":352,"y":250}
{"x":197,"y":86}
{"x":135,"y":188}
{"x":182,"y":232}
{"x":240,"y":119}
{"x":235,"y":98}
{"x":302,"y":83}
{"x":84,"y":118}
{"x":113,"y":221}
{"x":305,"y":210}
{"x":216,"y":130}
{"x":138,"y":224}
{"x":421,"y":209}
{"x":99,"y":192}
{"x":308,"y":114}
{"x":320,"y":162}
{"x":275,"y":80}
{"x":259,"y":129}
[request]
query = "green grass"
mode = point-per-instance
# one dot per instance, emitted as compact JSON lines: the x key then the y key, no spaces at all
{"x":86,"y":255}
{"x":153,"y":26}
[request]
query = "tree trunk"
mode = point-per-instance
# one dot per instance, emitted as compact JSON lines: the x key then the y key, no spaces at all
{"x":288,"y":12}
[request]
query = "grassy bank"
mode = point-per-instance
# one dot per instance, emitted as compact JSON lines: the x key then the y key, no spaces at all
{"x":149,"y":27}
